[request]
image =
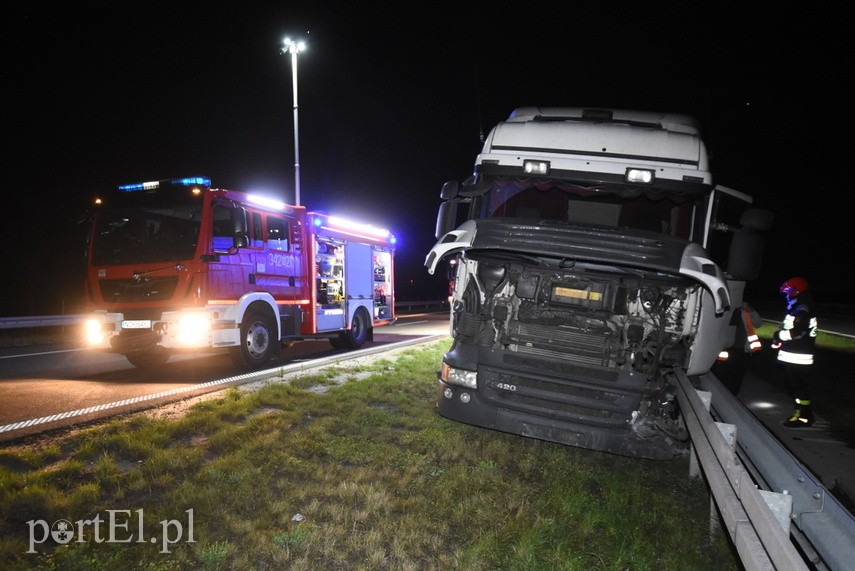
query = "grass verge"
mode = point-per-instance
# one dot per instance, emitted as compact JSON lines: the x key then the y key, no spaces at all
{"x":318,"y":473}
{"x":823,"y":340}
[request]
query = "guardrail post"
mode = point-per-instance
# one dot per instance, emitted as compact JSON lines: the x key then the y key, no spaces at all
{"x":728,"y":432}
{"x":756,"y":533}
{"x":781,"y":506}
{"x":694,"y":466}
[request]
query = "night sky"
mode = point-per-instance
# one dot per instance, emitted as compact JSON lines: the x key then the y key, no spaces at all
{"x":393,"y":99}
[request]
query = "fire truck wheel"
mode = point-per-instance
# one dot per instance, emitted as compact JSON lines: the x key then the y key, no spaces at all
{"x":258,"y":340}
{"x":337,"y":342}
{"x":358,"y":332}
{"x":149,"y":360}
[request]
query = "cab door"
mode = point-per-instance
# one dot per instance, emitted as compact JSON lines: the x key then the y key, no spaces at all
{"x":733,"y":238}
{"x":279,"y":269}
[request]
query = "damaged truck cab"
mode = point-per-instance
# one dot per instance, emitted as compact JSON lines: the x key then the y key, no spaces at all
{"x":594,"y":257}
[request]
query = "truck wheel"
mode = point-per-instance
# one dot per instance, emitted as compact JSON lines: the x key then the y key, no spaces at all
{"x":337,"y":342}
{"x":150,"y":360}
{"x":358,"y":332}
{"x":258,"y":340}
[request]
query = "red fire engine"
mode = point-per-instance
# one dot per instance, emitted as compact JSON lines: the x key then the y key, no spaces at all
{"x":175,"y":265}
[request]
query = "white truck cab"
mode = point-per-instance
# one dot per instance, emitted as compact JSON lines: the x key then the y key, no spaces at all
{"x":595,"y":256}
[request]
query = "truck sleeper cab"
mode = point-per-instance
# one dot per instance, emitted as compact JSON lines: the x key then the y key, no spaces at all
{"x":176,"y":265}
{"x":595,"y":257}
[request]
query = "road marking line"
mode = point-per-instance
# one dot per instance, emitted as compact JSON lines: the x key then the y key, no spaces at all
{"x":42,"y":353}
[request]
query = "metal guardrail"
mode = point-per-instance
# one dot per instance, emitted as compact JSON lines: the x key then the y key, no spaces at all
{"x":824,"y":529}
{"x":759,"y":538}
{"x":416,"y":304}
{"x":39,"y":321}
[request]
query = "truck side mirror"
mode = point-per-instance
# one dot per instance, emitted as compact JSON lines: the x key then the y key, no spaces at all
{"x":450,"y":190}
{"x":745,"y":254}
{"x":746,"y":244}
{"x":446,"y":218}
{"x":240,"y":240}
{"x":240,"y":223}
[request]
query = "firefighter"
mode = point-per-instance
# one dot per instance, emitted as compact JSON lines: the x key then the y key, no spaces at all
{"x":795,"y":341}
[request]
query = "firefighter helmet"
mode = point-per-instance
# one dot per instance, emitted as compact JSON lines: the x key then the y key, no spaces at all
{"x":794,"y":286}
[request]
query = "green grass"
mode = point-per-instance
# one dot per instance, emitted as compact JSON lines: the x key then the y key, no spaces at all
{"x":359,"y":475}
{"x":823,"y":340}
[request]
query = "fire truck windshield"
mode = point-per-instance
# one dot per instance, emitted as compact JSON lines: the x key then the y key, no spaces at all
{"x":146,"y":234}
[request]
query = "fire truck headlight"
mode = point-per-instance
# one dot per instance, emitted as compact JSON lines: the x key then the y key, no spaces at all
{"x":94,"y":331}
{"x":462,"y":377}
{"x":192,"y":329}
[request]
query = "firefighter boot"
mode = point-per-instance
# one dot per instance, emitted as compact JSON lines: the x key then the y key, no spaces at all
{"x":802,"y":417}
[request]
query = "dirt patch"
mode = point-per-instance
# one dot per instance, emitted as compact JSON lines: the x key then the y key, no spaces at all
{"x":338,"y":380}
{"x":352,"y":372}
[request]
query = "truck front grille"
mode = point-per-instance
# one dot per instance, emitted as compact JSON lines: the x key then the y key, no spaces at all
{"x":572,"y":394}
{"x":560,"y":344}
{"x":563,"y":373}
{"x":126,"y":290}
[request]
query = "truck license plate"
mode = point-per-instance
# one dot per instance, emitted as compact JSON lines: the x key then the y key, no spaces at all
{"x":136,"y":324}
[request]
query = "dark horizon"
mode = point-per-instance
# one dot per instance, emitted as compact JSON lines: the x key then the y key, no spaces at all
{"x":392,"y":103}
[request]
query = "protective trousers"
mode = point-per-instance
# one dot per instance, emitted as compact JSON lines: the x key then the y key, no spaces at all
{"x":798,"y":379}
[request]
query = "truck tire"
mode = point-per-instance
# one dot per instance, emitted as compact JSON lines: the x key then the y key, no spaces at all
{"x":337,"y":342}
{"x":258,"y":339}
{"x":148,"y":360}
{"x":354,"y":337}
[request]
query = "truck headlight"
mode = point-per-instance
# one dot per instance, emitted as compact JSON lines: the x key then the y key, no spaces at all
{"x":639,"y":176}
{"x":94,"y":331}
{"x":536,"y":167}
{"x":193,"y":328}
{"x":462,"y":377}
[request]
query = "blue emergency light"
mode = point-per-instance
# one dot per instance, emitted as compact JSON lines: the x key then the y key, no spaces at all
{"x":190,"y":181}
{"x":152,"y":185}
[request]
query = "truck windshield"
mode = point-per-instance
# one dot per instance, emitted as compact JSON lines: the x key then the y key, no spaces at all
{"x":142,"y":235}
{"x":641,"y":208}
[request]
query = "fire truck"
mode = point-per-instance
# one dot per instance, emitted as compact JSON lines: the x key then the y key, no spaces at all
{"x":594,"y":256}
{"x":176,"y":265}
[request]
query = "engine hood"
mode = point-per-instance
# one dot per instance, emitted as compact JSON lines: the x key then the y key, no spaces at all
{"x":602,"y":245}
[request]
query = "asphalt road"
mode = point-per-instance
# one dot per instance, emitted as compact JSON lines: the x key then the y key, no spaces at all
{"x":48,"y":387}
{"x":826,"y":448}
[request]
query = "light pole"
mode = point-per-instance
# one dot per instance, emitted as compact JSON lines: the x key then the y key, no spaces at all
{"x":292,"y":47}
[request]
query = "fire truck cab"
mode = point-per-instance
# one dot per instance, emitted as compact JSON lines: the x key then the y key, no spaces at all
{"x":176,"y":265}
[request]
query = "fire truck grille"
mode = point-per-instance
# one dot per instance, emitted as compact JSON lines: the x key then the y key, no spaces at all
{"x":154,"y":289}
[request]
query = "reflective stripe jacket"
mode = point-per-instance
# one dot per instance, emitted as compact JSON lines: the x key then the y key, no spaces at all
{"x":750,"y":320}
{"x":798,"y":332}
